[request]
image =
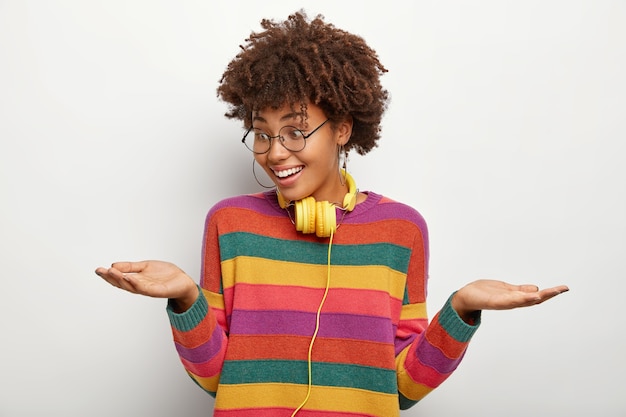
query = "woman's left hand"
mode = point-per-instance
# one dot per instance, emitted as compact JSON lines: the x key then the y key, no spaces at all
{"x":487,"y":294}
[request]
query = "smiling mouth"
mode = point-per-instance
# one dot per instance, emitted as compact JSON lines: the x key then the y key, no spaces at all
{"x":288,"y":172}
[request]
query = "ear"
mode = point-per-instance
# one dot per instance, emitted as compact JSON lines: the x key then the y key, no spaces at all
{"x":343,"y":131}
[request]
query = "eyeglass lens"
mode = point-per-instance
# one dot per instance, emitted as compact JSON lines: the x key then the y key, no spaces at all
{"x":290,"y":137}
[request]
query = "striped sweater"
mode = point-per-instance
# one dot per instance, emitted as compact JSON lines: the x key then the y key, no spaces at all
{"x":246,"y":339}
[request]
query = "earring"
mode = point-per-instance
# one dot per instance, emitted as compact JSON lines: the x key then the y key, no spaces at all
{"x":343,"y":171}
{"x":255,"y":177}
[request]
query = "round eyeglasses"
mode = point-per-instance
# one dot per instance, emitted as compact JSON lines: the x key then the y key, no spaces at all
{"x":292,"y":139}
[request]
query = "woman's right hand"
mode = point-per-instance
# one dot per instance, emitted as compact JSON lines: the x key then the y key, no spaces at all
{"x":153,"y":278}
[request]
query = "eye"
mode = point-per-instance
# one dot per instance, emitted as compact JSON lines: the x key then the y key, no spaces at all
{"x":291,"y":133}
{"x":260,"y":135}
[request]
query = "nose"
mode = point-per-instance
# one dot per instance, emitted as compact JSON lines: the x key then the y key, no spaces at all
{"x":277,"y":151}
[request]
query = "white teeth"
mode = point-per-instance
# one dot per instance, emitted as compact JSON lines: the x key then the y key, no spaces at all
{"x":287,"y":172}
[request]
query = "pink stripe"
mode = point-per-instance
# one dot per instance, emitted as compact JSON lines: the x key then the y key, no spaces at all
{"x":209,"y":368}
{"x":206,"y":350}
{"x":274,"y":297}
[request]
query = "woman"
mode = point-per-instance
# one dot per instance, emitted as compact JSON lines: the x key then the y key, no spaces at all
{"x":312,"y":299}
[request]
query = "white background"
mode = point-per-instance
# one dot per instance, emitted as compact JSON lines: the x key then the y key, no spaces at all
{"x":506,"y":131}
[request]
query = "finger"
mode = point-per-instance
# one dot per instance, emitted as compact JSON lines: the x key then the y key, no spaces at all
{"x":531,"y":299}
{"x":126,"y":283}
{"x":130,"y":267}
{"x":561,"y":289}
{"x":137,"y":283}
{"x":116,"y":278}
{"x":100,"y":271}
{"x":104,"y":274}
{"x":528,"y":288}
{"x":552,"y":292}
{"x":114,"y":273}
{"x":525,"y":299}
{"x":110,"y":278}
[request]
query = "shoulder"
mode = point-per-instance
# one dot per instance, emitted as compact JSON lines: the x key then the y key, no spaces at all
{"x":239,"y":201}
{"x":261,"y":204}
{"x":381,"y":208}
{"x":264,"y":203}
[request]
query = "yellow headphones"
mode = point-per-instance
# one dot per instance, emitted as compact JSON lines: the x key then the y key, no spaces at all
{"x":319,"y":216}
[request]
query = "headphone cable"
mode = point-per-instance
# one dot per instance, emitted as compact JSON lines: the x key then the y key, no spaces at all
{"x":317,"y":327}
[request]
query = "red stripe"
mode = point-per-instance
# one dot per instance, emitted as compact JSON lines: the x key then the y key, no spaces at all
{"x":347,"y":351}
{"x":282,"y":228}
{"x":196,"y":336}
{"x":438,"y":337}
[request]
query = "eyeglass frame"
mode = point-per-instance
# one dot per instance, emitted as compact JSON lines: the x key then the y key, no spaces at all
{"x":279,"y":136}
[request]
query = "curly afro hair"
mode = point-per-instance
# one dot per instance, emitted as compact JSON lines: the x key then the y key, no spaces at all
{"x":300,"y":61}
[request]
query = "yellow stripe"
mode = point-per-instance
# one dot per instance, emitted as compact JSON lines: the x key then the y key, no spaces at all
{"x":214,"y":300}
{"x":265,"y":271}
{"x":414,"y":311}
{"x":409,"y":388}
{"x":208,"y":383}
{"x":322,"y":398}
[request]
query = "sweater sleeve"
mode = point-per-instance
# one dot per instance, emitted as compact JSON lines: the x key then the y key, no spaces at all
{"x":434,"y":355}
{"x":201,"y":333}
{"x":427,"y":352}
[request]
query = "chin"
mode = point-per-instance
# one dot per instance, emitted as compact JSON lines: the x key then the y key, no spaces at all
{"x":290,"y":195}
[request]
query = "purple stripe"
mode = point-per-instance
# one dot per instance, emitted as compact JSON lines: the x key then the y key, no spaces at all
{"x":260,"y":203}
{"x":348,"y":326}
{"x":433,"y":357}
{"x":361,"y":213}
{"x":384,"y":211}
{"x":401,"y":344}
{"x":204,"y":352}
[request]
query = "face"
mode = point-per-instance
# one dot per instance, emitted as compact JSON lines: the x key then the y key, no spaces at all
{"x":313,"y":171}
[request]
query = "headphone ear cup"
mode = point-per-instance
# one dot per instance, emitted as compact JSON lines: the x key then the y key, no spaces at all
{"x":320,"y":217}
{"x":349,"y":201}
{"x":305,"y":215}
{"x":325,"y":219}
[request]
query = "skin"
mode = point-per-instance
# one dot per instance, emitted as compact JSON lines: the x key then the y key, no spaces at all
{"x":319,"y":178}
{"x":318,"y":160}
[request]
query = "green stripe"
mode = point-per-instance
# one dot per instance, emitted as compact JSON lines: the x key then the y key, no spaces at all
{"x":405,"y":403}
{"x":296,"y":372}
{"x":406,"y":300}
{"x":454,"y":325}
{"x":192,"y":317}
{"x":211,"y":393}
{"x":246,"y":244}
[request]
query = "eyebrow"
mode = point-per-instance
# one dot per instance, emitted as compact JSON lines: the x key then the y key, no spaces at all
{"x":288,"y":116}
